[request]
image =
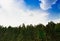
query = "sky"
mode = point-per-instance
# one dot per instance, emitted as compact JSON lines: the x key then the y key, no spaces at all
{"x":17,"y":12}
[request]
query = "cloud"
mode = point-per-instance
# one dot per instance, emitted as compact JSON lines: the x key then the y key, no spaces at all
{"x":57,"y":20}
{"x":46,"y":4}
{"x":14,"y":13}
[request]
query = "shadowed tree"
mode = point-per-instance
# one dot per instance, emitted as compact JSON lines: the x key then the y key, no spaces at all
{"x":57,"y":32}
{"x":50,"y":31}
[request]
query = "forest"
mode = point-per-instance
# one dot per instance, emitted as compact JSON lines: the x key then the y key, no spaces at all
{"x":39,"y":32}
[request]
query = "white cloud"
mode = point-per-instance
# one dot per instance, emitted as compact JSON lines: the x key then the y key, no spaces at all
{"x":13,"y":12}
{"x":57,"y":20}
{"x":46,"y":4}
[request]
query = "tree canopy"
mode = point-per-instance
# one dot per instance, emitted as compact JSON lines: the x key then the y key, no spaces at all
{"x":50,"y":32}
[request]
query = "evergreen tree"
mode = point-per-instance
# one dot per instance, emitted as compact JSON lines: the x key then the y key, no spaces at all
{"x":50,"y":32}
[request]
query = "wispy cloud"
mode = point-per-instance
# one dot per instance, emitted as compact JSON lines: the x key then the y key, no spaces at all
{"x":46,"y":4}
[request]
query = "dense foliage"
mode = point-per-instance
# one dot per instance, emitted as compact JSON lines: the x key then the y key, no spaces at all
{"x":50,"y":32}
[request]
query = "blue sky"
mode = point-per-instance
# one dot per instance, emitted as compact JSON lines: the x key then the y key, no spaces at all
{"x":32,"y":4}
{"x":54,"y":10}
{"x":16,"y":12}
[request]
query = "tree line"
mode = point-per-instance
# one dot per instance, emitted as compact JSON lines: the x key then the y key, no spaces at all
{"x":50,"y":32}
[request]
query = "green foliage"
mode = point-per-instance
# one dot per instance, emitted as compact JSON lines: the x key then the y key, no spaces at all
{"x":50,"y":32}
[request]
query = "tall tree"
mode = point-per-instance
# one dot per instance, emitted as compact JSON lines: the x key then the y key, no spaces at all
{"x":50,"y":30}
